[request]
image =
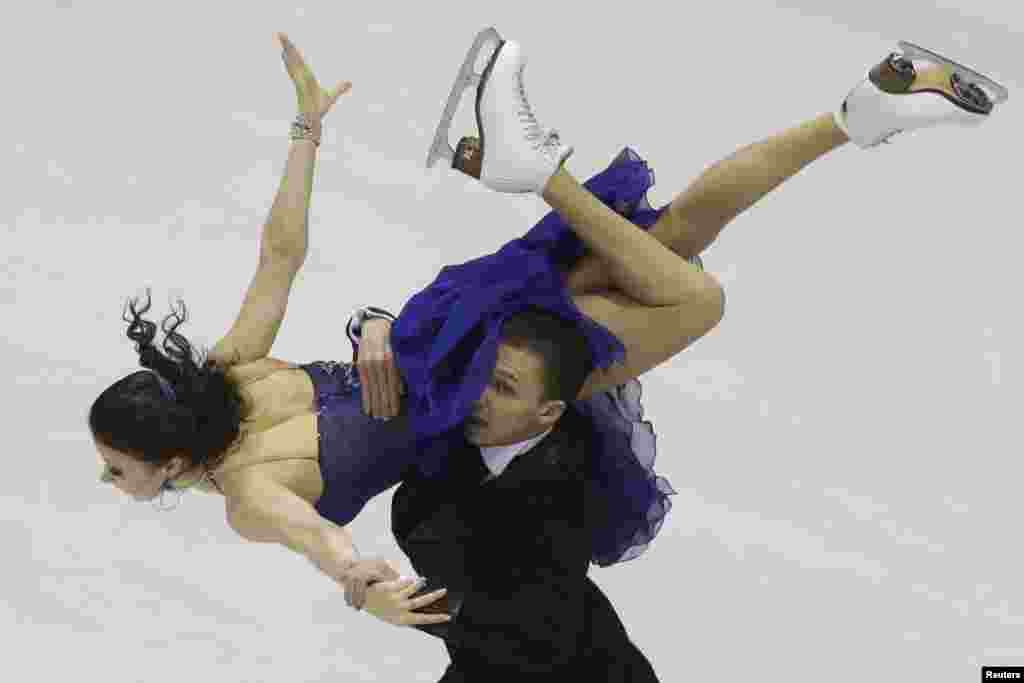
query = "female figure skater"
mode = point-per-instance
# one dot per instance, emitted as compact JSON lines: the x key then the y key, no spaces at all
{"x":247,"y":426}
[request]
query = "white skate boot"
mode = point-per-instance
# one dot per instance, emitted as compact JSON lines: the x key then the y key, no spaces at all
{"x":915,"y":89}
{"x":514,"y":153}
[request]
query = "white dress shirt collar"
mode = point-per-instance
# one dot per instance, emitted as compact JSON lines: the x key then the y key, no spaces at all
{"x":497,"y":458}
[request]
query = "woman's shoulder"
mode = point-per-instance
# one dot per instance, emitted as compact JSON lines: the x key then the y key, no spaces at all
{"x":253,"y":371}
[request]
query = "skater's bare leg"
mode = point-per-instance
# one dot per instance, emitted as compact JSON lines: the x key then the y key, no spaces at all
{"x":659,"y":303}
{"x":639,"y":265}
{"x":695,"y":218}
{"x":653,"y":300}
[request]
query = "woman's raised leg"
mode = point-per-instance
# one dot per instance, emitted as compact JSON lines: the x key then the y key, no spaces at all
{"x":656,"y":302}
{"x":640,"y":266}
{"x":695,"y":218}
{"x":907,"y":91}
{"x":604,"y":288}
{"x":518,"y":155}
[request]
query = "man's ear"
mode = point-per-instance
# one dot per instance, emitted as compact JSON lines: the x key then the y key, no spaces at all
{"x":550,"y":412}
{"x":176,"y":466}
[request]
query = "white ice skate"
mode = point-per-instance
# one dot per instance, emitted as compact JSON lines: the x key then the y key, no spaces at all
{"x":513,"y":153}
{"x":914,"y":89}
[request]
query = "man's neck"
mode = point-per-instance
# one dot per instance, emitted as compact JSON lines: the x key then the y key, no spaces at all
{"x":535,"y":435}
{"x":497,"y":458}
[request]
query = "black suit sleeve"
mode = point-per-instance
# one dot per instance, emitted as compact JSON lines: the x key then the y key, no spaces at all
{"x":524,"y":608}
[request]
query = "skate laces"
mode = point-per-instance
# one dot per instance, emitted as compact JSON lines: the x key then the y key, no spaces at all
{"x":888,"y":137}
{"x":552,"y":143}
{"x":540,"y":139}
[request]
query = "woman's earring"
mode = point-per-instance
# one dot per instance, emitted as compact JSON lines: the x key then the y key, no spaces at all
{"x":162,"y":506}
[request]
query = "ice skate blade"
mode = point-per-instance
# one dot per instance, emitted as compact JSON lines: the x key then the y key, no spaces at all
{"x":441,"y":148}
{"x":995,"y":91}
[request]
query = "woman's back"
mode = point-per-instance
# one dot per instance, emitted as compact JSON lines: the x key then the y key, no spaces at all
{"x":278,"y":421}
{"x":305,"y":428}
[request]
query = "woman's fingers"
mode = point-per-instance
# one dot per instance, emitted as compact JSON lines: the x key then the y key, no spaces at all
{"x":355,"y":593}
{"x":339,"y":90}
{"x":289,"y":53}
{"x":358,"y":595}
{"x":306,"y":85}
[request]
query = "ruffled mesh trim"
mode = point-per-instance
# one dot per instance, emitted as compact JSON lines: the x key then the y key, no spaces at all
{"x":630,"y":499}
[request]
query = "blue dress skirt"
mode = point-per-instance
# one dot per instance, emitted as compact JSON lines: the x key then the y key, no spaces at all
{"x":445,"y":343}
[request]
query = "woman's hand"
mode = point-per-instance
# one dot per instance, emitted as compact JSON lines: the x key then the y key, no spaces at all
{"x":359,"y":577}
{"x":390,"y":601}
{"x":380,"y":379}
{"x":314,"y":101}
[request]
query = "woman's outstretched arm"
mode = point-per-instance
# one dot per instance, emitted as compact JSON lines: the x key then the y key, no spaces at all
{"x":285,"y":231}
{"x":284,"y":242}
{"x":265,"y":511}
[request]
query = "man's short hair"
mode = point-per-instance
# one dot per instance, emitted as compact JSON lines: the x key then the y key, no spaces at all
{"x":562,"y":347}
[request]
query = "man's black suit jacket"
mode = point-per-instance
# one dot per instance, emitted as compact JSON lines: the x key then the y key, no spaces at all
{"x":514,"y":553}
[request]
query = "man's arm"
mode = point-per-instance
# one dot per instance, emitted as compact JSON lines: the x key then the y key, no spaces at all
{"x":525,"y":607}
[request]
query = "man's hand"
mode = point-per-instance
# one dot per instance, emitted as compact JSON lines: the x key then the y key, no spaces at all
{"x":391,"y":601}
{"x":381,"y":381}
{"x":361,"y":575}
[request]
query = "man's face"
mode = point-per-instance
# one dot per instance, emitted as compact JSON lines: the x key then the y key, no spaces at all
{"x":511,"y":408}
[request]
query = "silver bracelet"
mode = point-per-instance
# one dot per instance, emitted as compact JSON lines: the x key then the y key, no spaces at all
{"x":302,"y":129}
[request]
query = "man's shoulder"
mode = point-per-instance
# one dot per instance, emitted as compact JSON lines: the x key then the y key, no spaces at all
{"x":571,"y":437}
{"x":560,"y":457}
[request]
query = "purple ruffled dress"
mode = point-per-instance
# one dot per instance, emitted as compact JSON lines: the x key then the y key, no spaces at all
{"x":445,"y":344}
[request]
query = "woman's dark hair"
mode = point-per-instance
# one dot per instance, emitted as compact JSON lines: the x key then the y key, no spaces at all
{"x":136,"y":417}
